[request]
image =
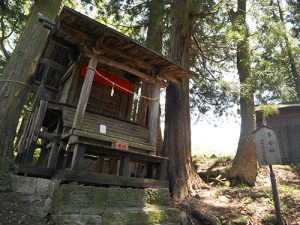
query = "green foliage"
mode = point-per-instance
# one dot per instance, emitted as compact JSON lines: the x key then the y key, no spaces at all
{"x":269,"y":218}
{"x":271,"y":70}
{"x":212,"y":58}
{"x":129,"y":17}
{"x":268,"y":110}
{"x":13,"y":15}
{"x":294,"y":17}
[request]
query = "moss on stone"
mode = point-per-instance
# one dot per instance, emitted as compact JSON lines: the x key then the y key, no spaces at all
{"x":158,"y":196}
{"x":135,"y":218}
{"x":174,"y":215}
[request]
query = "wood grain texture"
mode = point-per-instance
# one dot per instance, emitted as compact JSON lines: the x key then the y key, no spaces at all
{"x":84,"y":94}
{"x":107,"y":179}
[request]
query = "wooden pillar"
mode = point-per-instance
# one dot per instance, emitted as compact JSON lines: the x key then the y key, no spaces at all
{"x":154,"y":114}
{"x":55,"y":148}
{"x":78,"y":156}
{"x":34,"y":134}
{"x":75,"y":78}
{"x":125,"y":167}
{"x":162,"y":170}
{"x":85,"y":93}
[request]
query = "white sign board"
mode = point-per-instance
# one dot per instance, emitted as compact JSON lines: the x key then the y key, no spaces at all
{"x":102,"y":129}
{"x":267,"y":147}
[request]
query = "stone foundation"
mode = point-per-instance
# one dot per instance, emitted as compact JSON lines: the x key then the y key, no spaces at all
{"x":87,"y":205}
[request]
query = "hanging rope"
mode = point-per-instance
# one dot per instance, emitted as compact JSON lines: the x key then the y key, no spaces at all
{"x":117,"y":85}
{"x":15,"y":81}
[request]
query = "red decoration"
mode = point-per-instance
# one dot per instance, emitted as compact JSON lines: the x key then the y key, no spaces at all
{"x":123,"y":83}
{"x":120,"y":145}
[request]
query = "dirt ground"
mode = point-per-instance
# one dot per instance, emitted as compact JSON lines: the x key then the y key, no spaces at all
{"x":246,"y":205}
{"x":17,"y":208}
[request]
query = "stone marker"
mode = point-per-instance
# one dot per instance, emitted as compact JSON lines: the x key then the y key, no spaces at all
{"x":267,"y":147}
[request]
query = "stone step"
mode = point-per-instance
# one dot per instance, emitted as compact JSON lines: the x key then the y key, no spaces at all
{"x":125,"y":216}
{"x":69,"y":198}
{"x":73,"y":204}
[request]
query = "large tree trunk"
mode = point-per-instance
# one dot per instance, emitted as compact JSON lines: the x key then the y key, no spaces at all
{"x":21,"y":67}
{"x":244,"y":165}
{"x":177,"y":138}
{"x":291,"y":55}
{"x":155,"y":25}
{"x":153,"y":41}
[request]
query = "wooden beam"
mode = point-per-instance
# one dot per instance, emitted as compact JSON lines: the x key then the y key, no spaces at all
{"x":166,"y":71}
{"x":53,"y":64}
{"x":97,"y":149}
{"x":172,"y":71}
{"x":40,"y":171}
{"x":78,"y":156}
{"x":121,"y":66}
{"x":182,"y":74}
{"x":82,"y":36}
{"x":75,"y":78}
{"x":61,"y":42}
{"x":136,"y":61}
{"x":49,"y":136}
{"x":77,"y":34}
{"x":108,"y":179}
{"x":170,"y":78}
{"x":85,"y":92}
{"x":55,"y":148}
{"x":154,"y":114}
{"x":35,"y":130}
{"x":67,"y":74}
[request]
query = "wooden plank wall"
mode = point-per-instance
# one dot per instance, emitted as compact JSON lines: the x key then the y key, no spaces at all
{"x":288,"y":132}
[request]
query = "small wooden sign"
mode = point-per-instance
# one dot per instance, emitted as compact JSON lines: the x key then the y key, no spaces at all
{"x":120,"y":145}
{"x":267,"y":147}
{"x":102,"y":129}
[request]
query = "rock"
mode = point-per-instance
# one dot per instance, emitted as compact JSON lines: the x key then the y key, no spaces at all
{"x":48,"y":202}
{"x":23,"y":184}
{"x":214,"y":220}
{"x":77,"y":219}
{"x":93,"y":200}
{"x":30,"y":185}
{"x":184,"y":220}
{"x":203,"y":219}
{"x":239,"y":220}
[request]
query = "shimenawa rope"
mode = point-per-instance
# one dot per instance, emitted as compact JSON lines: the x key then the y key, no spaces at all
{"x":125,"y":89}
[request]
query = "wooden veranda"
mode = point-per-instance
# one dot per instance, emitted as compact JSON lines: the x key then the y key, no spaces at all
{"x":95,"y":114}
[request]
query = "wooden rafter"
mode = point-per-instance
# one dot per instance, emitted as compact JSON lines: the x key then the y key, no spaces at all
{"x":82,"y":36}
{"x":77,"y":34}
{"x":166,"y":73}
{"x":112,"y":63}
{"x":136,"y":61}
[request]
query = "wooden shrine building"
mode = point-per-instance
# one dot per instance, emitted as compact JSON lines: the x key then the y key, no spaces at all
{"x":287,"y":126}
{"x":95,"y":114}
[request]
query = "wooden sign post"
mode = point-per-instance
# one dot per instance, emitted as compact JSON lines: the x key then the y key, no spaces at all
{"x":268,"y":153}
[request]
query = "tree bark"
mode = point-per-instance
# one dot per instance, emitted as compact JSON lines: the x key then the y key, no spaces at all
{"x":153,"y":41}
{"x":244,"y":164}
{"x":21,"y":67}
{"x":177,"y":138}
{"x":155,"y":25}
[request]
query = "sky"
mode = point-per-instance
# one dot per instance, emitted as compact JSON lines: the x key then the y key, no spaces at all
{"x":220,"y":140}
{"x":212,"y":134}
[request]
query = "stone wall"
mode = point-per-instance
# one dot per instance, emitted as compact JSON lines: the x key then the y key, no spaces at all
{"x":87,"y":205}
